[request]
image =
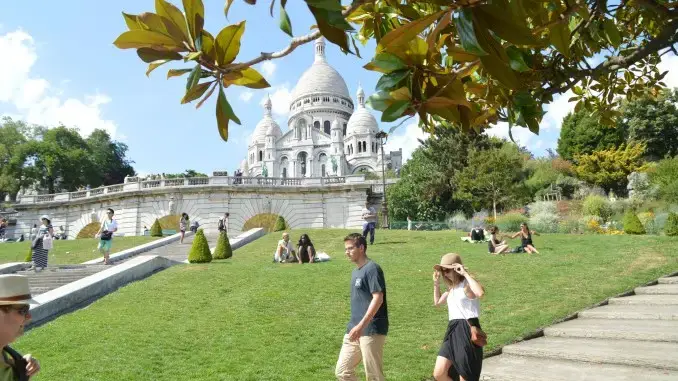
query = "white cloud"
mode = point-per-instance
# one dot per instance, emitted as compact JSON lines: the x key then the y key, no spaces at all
{"x":246,"y":95}
{"x":35,"y":100}
{"x":268,"y":67}
{"x":280,"y":99}
{"x":670,"y":63}
{"x":408,"y":141}
{"x":521,"y":135}
{"x":556,"y":111}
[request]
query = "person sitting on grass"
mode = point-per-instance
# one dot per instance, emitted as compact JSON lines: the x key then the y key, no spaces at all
{"x":284,"y":251}
{"x":526,"y":239}
{"x":305,"y":249}
{"x":496,"y":246}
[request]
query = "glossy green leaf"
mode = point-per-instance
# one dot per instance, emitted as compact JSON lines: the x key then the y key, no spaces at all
{"x":394,"y":111}
{"x":149,"y":55}
{"x":560,"y":38}
{"x":405,"y":33}
{"x":131,"y":21}
{"x":224,"y":114}
{"x":467,"y":34}
{"x":195,"y":17}
{"x":208,"y":47}
{"x":252,"y":79}
{"x":332,"y":26}
{"x":228,"y":43}
{"x":151,"y":21}
{"x":227,"y":6}
{"x":379,"y":101}
{"x":285,"y":23}
{"x":578,"y":90}
{"x":390,"y":81}
{"x":209,"y":94}
{"x":501,"y":21}
{"x":177,"y":72}
{"x":140,"y":38}
{"x":195,"y":92}
{"x":330,"y":5}
{"x":154,"y":65}
{"x":194,"y":77}
{"x":517,"y":59}
{"x":385,"y":63}
{"x":500,"y":71}
{"x":173,"y":15}
{"x":612,"y":32}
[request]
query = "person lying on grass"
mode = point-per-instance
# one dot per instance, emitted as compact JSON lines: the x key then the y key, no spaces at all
{"x":526,"y":239}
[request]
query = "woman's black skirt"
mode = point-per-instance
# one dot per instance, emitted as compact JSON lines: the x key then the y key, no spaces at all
{"x":466,"y":357}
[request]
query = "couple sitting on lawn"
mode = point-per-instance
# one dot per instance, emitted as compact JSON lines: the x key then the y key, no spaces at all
{"x":497,"y":246}
{"x":305,"y":252}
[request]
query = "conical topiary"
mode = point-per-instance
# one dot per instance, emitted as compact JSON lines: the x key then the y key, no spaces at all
{"x":156,"y":229}
{"x":632,"y":224}
{"x":671,"y":228}
{"x":223,"y":249}
{"x":200,"y":250}
{"x":279,"y":224}
{"x":29,"y":256}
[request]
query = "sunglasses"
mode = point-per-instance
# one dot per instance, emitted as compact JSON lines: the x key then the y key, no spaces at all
{"x":21,"y":309}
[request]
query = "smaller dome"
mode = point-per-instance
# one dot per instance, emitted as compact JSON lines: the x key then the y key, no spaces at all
{"x":266,"y":126}
{"x":335,"y":124}
{"x":243,"y":165}
{"x":362,"y":121}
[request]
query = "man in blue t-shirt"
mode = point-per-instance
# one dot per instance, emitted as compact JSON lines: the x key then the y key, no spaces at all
{"x":367,"y":329}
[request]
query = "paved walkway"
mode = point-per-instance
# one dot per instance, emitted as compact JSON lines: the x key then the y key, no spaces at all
{"x":632,"y":338}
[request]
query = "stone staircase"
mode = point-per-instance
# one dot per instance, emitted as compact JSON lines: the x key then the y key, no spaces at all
{"x":631,"y":338}
{"x":57,"y":276}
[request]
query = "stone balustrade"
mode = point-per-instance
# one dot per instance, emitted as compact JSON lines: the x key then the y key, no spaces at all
{"x":138,"y":184}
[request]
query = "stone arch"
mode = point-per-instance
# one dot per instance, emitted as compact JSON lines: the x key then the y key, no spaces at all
{"x":263,"y":220}
{"x":89,"y":230}
{"x":363,"y":168}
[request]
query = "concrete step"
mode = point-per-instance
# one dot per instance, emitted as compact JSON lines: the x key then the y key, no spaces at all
{"x":617,"y":329}
{"x":669,"y":280}
{"x":630,"y":311}
{"x":656,"y":300}
{"x":660,"y":289}
{"x":650,"y":354}
{"x":518,"y":368}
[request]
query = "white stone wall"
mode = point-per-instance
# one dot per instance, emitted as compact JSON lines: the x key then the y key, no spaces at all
{"x":311,"y":207}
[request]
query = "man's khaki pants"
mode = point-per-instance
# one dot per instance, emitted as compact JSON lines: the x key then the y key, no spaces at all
{"x":370,"y":349}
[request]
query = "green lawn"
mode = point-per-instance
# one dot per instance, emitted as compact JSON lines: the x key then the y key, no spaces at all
{"x":69,"y":251}
{"x":248,"y":319}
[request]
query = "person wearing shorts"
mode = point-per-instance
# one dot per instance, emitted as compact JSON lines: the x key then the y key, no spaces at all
{"x":105,"y":234}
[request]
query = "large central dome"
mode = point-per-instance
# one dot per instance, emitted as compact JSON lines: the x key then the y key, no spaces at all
{"x":320,"y":78}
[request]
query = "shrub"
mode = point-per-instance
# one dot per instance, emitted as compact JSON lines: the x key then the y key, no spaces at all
{"x":660,"y":221}
{"x":280,"y":224}
{"x":459,"y":222}
{"x":595,"y":205}
{"x":200,"y":250}
{"x":545,"y":222}
{"x":619,"y":206}
{"x":543,"y":207}
{"x":156,"y":229}
{"x":671,"y":228}
{"x":568,"y":226}
{"x":223,"y":249}
{"x":29,"y":255}
{"x":632,"y":224}
{"x":510,"y":222}
{"x":590,"y":224}
{"x":586,"y":190}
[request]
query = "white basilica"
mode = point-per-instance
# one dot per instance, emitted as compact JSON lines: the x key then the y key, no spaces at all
{"x":326,"y":136}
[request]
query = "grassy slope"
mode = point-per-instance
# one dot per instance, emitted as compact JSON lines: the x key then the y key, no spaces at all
{"x":69,"y":251}
{"x":248,"y":319}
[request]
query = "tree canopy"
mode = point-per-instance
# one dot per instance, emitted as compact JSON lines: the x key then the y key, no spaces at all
{"x":582,"y":134}
{"x":471,"y":62}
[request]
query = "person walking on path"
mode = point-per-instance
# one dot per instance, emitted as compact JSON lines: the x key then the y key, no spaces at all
{"x":222,"y":225}
{"x":367,"y":329}
{"x":183,"y":223}
{"x":458,"y":358}
{"x":105,"y":234}
{"x":370,"y":217}
{"x":42,"y":243}
{"x":15,"y":300}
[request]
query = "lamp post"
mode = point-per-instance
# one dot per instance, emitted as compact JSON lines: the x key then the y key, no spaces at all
{"x":383,"y":136}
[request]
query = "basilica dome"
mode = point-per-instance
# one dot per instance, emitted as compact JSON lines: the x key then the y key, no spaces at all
{"x":320,"y":78}
{"x":266,"y":126}
{"x":362,"y":121}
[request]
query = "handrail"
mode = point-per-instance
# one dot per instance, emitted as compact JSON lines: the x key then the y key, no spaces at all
{"x":139,"y":184}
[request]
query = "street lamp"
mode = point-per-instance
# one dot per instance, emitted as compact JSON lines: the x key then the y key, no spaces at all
{"x":383,"y":136}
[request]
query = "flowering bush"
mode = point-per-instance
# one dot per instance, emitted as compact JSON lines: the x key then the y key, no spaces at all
{"x":569,"y":226}
{"x":545,"y":222}
{"x":541,"y":207}
{"x":595,"y":205}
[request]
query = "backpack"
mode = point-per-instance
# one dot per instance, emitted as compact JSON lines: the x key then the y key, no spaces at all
{"x":20,"y":364}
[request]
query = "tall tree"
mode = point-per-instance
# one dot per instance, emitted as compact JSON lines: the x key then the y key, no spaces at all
{"x":582,"y":134}
{"x":653,"y":122}
{"x":610,"y":168}
{"x":493,"y":178}
{"x":109,"y":160}
{"x":468,"y":62}
{"x":665,"y":176}
{"x":13,"y":136}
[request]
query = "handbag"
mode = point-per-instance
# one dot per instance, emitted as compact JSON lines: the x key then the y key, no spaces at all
{"x":478,"y":336}
{"x":106,"y":235}
{"x":47,"y":242}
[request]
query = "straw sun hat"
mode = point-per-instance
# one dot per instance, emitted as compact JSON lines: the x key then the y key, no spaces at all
{"x":14,"y":290}
{"x":448,"y":261}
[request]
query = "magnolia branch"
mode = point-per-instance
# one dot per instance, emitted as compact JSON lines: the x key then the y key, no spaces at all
{"x":295,"y":43}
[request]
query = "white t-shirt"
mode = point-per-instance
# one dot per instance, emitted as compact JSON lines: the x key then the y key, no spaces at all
{"x":459,"y":306}
{"x":287,"y":247}
{"x":110,"y":225}
{"x":368,"y":211}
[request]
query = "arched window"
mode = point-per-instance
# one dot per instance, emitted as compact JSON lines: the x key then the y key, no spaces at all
{"x":261,"y":155}
{"x":360,"y":147}
{"x":284,"y":172}
{"x":327,"y":126}
{"x":316,"y":124}
{"x":322,"y":170}
{"x":344,"y":129}
{"x":364,"y":146}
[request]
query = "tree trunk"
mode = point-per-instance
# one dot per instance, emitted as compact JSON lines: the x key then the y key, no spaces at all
{"x":494,"y":209}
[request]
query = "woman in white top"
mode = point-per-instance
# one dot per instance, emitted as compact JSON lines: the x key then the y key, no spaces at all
{"x":458,"y":356}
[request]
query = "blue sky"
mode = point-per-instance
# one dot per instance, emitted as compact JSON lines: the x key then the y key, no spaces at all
{"x":59,"y":65}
